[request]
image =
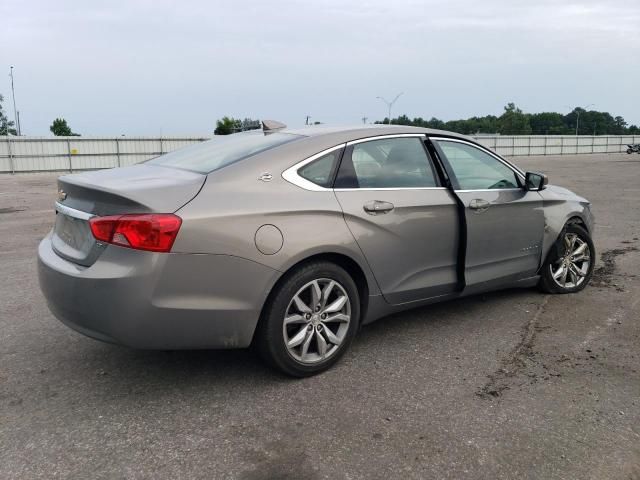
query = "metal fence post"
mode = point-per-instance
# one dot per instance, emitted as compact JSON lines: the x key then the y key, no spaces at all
{"x":118,"y":151}
{"x":545,"y":144}
{"x":161,"y":147}
{"x":69,"y":155}
{"x":11,"y":161}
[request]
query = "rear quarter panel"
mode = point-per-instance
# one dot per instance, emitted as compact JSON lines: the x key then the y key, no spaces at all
{"x":233,"y":204}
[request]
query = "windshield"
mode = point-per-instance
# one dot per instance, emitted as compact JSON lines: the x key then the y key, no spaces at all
{"x":222,"y":150}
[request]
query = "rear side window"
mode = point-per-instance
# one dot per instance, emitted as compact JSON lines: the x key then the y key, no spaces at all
{"x":320,"y":171}
{"x":208,"y":156}
{"x":387,"y":163}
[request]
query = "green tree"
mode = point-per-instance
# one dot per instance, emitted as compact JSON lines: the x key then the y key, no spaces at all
{"x":60,"y":128}
{"x":513,"y":121}
{"x":548,"y":123}
{"x":228,"y":125}
{"x":6,"y":126}
{"x":620,"y":126}
{"x":434,"y":123}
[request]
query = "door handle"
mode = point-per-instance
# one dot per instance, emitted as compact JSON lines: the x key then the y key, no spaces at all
{"x":479,"y":205}
{"x":375,"y":207}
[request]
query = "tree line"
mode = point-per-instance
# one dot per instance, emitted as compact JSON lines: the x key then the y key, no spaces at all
{"x":514,"y":121}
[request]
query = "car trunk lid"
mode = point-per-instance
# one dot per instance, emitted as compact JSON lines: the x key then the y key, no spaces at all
{"x":136,"y":189}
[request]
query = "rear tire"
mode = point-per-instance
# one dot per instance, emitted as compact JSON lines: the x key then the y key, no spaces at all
{"x":310,"y":320}
{"x":570,"y":262}
{"x":629,"y":151}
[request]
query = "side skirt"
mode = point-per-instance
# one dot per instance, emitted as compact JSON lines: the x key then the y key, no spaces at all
{"x":378,"y":308}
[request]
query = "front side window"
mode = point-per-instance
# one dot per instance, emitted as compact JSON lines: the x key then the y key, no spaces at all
{"x":387,"y":163}
{"x":320,"y":171}
{"x":475,"y":169}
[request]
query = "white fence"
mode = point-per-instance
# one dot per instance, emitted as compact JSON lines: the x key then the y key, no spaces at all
{"x":35,"y":154}
{"x":512,"y":146}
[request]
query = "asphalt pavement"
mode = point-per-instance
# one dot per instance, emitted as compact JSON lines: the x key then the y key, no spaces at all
{"x":512,"y":384}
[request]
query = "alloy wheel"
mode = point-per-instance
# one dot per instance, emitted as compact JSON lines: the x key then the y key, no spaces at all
{"x":317,"y":321}
{"x":571,"y":269}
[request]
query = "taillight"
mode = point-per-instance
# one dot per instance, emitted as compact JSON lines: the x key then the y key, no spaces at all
{"x":153,"y":232}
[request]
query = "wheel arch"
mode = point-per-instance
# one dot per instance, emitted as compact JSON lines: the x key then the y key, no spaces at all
{"x":572,"y":219}
{"x":351,"y":266}
{"x":577,"y":220}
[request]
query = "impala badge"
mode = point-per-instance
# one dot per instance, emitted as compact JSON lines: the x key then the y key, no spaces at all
{"x":62,"y":195}
{"x":266,"y":177}
{"x":532,"y":248}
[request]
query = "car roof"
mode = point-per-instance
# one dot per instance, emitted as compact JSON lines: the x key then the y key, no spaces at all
{"x":362,"y":131}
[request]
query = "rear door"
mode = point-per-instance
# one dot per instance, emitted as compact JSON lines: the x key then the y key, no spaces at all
{"x":404,"y":221}
{"x":504,"y":222}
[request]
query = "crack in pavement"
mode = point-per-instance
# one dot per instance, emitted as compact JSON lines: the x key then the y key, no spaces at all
{"x":515,"y":361}
{"x":11,"y":210}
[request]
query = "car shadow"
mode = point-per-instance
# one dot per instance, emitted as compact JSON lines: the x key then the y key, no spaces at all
{"x":129,"y":371}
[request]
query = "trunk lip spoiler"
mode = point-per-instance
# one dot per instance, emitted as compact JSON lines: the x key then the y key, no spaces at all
{"x":72,"y":212}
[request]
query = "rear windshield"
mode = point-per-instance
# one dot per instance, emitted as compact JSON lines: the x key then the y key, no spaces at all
{"x":222,"y":150}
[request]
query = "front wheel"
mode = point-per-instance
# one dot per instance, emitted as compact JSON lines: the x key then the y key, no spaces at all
{"x":570,"y":262}
{"x":629,"y":151}
{"x":310,"y":320}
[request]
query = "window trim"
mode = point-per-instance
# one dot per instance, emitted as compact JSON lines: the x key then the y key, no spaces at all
{"x":384,"y":137}
{"x":519,"y":174}
{"x":383,"y":189}
{"x":291,"y":174}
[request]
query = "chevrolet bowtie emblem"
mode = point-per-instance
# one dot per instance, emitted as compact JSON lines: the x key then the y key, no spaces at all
{"x":62,"y":195}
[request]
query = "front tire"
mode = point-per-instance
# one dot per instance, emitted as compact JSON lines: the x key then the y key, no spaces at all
{"x":629,"y":151}
{"x":569,"y":264}
{"x":309,"y":320}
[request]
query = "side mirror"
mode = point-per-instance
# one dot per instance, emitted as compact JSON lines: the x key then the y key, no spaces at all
{"x":535,"y":181}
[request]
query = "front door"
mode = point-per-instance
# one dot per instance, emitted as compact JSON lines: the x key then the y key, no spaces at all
{"x":504,"y":222}
{"x":404,"y":221}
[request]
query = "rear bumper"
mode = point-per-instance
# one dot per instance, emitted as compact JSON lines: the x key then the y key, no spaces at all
{"x":157,"y":301}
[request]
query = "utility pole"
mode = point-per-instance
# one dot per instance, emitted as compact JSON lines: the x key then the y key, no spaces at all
{"x":390,"y":104}
{"x":364,"y":119}
{"x":16,"y":119}
{"x":307,"y":120}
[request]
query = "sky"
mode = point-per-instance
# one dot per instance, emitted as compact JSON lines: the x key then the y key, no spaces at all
{"x":155,"y":67}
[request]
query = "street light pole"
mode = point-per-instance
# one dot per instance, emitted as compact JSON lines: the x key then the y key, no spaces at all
{"x":390,"y":104}
{"x":13,"y":94}
{"x":578,"y":115}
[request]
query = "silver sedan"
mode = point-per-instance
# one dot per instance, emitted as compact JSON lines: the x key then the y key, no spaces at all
{"x":290,"y":240}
